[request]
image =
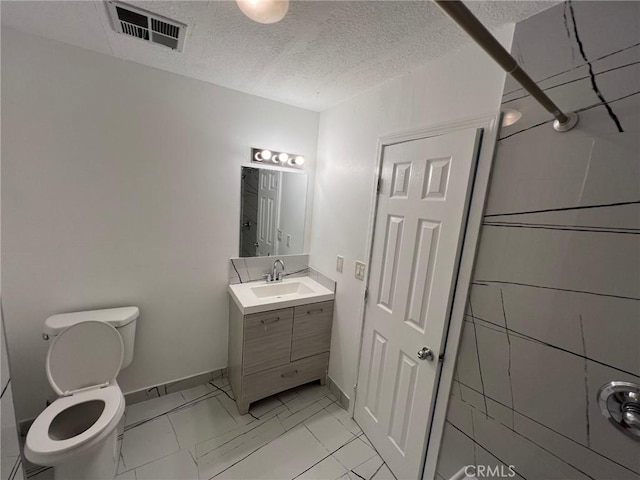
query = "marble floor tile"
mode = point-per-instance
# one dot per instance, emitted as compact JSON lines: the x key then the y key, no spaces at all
{"x":8,"y":464}
{"x":265,"y":406}
{"x":197,"y":392}
{"x":326,"y":428}
{"x":349,"y":476}
{"x":302,"y":451}
{"x":288,"y":395}
{"x":369,"y":468}
{"x":297,"y":404}
{"x":221,"y":382}
{"x":148,"y":442}
{"x":232,"y":409}
{"x":200,"y":422}
{"x":236,"y":450}
{"x":327,"y":469}
{"x":203,"y":448}
{"x":47,"y":474}
{"x":384,"y":474}
{"x":313,"y":391}
{"x":366,"y":440}
{"x":354,"y":453}
{"x":130,"y":475}
{"x":179,"y":466}
{"x":150,"y":408}
{"x":300,"y":416}
{"x":344,"y":418}
{"x":301,"y":433}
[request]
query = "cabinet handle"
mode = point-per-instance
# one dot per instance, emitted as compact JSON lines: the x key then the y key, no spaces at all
{"x":309,"y":312}
{"x":265,"y":322}
{"x":289,"y":374}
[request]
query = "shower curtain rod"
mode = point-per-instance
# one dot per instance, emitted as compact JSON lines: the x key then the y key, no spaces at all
{"x":466,"y":20}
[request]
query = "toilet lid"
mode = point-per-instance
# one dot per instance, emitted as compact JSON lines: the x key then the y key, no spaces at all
{"x":84,"y":355}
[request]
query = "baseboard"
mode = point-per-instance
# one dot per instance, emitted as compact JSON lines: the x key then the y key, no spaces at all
{"x":343,"y":399}
{"x":173,"y":386}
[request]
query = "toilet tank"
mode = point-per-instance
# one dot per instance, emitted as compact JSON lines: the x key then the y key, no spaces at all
{"x":124,"y":320}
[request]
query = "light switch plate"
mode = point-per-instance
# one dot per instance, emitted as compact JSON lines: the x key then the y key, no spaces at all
{"x":359,"y":274}
{"x":339,"y":263}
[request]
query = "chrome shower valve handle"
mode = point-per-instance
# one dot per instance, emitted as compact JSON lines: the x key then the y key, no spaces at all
{"x":620,"y":403}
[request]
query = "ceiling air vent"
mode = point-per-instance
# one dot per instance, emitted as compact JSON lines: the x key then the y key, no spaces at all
{"x":148,"y":26}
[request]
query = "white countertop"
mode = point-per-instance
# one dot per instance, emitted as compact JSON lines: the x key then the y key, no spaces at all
{"x":244,"y":295}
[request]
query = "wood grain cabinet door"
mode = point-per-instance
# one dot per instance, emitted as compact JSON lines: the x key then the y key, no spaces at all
{"x":311,"y":329}
{"x":267,"y":340}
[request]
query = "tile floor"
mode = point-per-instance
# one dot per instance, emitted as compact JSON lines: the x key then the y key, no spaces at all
{"x":199,"y":434}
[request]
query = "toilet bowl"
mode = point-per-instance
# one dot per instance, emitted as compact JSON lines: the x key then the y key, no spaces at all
{"x":77,"y":433}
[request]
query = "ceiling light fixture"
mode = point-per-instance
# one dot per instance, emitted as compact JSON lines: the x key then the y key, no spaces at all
{"x":510,"y":116}
{"x":264,"y":11}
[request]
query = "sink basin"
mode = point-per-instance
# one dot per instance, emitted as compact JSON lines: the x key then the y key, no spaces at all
{"x":280,"y":289}
{"x":255,"y":297}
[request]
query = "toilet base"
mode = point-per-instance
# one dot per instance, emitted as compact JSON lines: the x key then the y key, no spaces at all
{"x":97,"y":463}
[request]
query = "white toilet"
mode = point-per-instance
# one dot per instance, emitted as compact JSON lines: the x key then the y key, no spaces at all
{"x":77,"y":433}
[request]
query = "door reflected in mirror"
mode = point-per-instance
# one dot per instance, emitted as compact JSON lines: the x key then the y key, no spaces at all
{"x":272,"y":212}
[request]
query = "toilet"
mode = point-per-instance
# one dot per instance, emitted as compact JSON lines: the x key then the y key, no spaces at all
{"x":77,"y":433}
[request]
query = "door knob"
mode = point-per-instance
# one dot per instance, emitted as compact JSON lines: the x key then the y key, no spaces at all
{"x":425,"y":353}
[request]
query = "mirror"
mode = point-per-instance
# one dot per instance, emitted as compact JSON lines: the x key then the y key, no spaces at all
{"x":272,"y":212}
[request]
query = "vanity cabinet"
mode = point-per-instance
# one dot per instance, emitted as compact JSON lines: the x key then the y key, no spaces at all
{"x":276,"y":350}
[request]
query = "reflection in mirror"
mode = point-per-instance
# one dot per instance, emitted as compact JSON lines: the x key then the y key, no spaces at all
{"x":272,"y":212}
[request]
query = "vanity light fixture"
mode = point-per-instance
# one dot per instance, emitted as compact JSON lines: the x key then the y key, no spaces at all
{"x":281,"y":159}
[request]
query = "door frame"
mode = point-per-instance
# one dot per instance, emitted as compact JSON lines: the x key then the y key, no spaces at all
{"x":490,"y":124}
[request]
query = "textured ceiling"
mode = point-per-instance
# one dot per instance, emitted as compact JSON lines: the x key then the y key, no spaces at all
{"x":322,"y":53}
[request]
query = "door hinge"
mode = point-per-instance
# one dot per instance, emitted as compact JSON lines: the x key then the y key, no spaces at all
{"x":366,"y":293}
{"x":379,"y":185}
{"x":441,"y":358}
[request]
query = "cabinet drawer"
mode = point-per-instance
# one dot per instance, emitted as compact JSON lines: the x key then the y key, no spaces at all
{"x":263,"y":384}
{"x":267,"y":340}
{"x":311,"y":329}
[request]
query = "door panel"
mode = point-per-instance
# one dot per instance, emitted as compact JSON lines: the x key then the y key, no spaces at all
{"x":268,"y":209}
{"x":420,"y":220}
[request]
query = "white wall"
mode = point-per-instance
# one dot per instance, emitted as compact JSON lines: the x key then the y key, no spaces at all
{"x":121,"y":186}
{"x":463,"y":85}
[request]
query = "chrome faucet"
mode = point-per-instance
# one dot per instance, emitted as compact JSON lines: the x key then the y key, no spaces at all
{"x":277,"y":276}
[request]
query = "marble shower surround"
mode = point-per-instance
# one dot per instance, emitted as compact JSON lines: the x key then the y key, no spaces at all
{"x":555,"y":299}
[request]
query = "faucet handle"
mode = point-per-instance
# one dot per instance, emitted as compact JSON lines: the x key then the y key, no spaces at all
{"x":267,"y":277}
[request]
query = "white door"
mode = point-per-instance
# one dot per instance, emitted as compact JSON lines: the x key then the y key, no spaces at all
{"x":419,"y":225}
{"x":268,"y":187}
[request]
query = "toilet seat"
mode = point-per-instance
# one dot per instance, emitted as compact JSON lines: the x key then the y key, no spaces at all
{"x":41,"y":444}
{"x":82,"y":364}
{"x":84,"y":356}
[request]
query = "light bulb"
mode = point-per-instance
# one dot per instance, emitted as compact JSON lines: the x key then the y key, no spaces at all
{"x":266,"y":154}
{"x":258,"y":157}
{"x":264,"y":11}
{"x":299,"y":160}
{"x":510,"y":116}
{"x":275,"y":159}
{"x":283,"y":157}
